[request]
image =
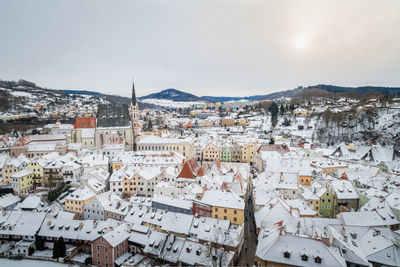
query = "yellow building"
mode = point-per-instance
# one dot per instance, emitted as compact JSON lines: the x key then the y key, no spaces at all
{"x":305,"y":176}
{"x":243,"y":122}
{"x":315,"y":204}
{"x":248,"y":151}
{"x":329,"y":167}
{"x":75,"y":201}
{"x":206,"y":124}
{"x":300,"y":111}
{"x":38,"y":172}
{"x":211,"y":152}
{"x":9,"y":169}
{"x":116,"y":165}
{"x":227,"y":122}
{"x":236,"y":216}
{"x":305,"y":180}
{"x":225,"y":205}
{"x":22,"y":181}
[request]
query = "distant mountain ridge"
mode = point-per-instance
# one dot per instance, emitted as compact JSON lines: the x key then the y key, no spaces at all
{"x":177,"y":95}
{"x":172,"y":94}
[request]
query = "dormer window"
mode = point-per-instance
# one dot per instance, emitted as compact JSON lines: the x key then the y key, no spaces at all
{"x":318,"y":259}
{"x":286,"y":254}
{"x":304,"y":257}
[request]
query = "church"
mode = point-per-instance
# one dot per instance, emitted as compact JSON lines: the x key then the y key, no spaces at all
{"x":114,"y":128}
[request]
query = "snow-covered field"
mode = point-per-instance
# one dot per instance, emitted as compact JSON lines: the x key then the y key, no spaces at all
{"x":30,"y":263}
{"x":20,"y":93}
{"x":171,"y":104}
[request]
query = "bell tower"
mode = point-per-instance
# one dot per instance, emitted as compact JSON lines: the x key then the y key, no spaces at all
{"x":134,"y":112}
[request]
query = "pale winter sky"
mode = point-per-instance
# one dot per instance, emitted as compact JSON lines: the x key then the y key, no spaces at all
{"x":231,"y":48}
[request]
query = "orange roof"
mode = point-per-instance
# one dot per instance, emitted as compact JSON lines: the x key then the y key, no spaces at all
{"x":85,"y":122}
{"x":186,"y":171}
{"x":189,"y":169}
{"x":27,"y":139}
{"x":200,"y":172}
{"x":188,"y":125}
{"x":344,"y":176}
{"x":218,"y":163}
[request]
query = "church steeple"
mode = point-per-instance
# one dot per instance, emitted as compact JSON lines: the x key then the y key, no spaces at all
{"x":133,"y":100}
{"x":134,"y":112}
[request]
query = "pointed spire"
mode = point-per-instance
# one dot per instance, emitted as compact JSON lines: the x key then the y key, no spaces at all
{"x":133,"y":100}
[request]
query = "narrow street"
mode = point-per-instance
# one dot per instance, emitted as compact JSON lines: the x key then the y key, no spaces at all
{"x":247,"y":255}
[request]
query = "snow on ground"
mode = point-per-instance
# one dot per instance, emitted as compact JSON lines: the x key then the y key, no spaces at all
{"x":47,"y":253}
{"x":19,"y":93}
{"x":30,"y":263}
{"x":172,"y":104}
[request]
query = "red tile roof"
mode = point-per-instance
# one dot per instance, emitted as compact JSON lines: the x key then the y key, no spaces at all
{"x":200,"y":172}
{"x":189,"y":169}
{"x":186,"y":171}
{"x":85,"y":122}
{"x":218,"y":163}
{"x":188,"y":125}
{"x":27,"y":139}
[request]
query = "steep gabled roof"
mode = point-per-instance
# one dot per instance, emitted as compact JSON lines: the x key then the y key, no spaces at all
{"x":200,"y":172}
{"x":133,"y":99}
{"x":85,"y":122}
{"x":186,"y":171}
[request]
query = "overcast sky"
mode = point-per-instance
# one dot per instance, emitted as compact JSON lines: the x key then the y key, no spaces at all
{"x":231,"y":48}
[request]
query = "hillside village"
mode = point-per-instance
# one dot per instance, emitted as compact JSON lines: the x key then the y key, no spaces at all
{"x":288,"y":182}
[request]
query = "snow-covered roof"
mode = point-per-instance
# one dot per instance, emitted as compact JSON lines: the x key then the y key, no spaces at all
{"x":117,"y":236}
{"x":8,"y":200}
{"x":273,"y":246}
{"x":220,"y":198}
{"x":344,"y":189}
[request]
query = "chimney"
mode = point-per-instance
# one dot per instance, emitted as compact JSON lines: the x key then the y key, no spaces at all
{"x":3,"y":212}
{"x":94,"y":224}
{"x":345,"y":238}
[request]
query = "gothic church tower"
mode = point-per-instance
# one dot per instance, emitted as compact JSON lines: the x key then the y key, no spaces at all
{"x":134,"y":111}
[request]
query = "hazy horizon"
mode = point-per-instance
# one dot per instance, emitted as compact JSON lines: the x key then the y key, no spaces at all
{"x":217,"y":48}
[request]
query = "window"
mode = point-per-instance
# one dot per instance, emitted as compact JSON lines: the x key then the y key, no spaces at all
{"x":304,"y":257}
{"x":318,"y":259}
{"x":225,"y":210}
{"x":234,"y":219}
{"x":286,"y":254}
